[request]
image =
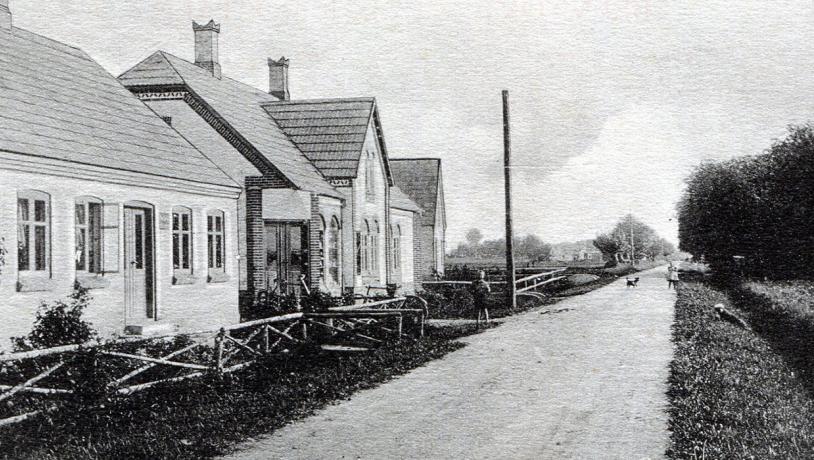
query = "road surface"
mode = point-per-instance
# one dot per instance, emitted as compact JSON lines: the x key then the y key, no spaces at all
{"x":589,"y":382}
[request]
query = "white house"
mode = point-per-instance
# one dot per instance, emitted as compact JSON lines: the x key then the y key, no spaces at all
{"x":96,"y":189}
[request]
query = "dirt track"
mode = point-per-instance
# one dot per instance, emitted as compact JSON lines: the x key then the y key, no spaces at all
{"x":585,"y":383}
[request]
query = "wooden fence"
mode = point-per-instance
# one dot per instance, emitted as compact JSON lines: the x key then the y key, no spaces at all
{"x":217,"y":351}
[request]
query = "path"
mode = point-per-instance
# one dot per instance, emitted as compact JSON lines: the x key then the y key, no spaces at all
{"x":585,"y":383}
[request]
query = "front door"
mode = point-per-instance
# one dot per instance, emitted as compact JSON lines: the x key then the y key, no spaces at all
{"x":286,"y":256}
{"x":138,"y":265}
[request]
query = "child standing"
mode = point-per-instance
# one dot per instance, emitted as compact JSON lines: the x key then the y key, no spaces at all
{"x":480,"y":290}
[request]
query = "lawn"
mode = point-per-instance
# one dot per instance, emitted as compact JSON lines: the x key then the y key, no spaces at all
{"x":733,"y":392}
{"x":206,"y":417}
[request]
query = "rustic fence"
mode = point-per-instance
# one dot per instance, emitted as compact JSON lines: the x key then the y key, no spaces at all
{"x":216,"y":351}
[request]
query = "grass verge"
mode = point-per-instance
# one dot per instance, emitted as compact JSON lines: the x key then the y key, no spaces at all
{"x":732,"y":394}
{"x":207,"y":417}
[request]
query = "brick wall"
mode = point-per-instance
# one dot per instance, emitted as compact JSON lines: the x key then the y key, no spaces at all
{"x":418,"y":255}
{"x":314,"y":245}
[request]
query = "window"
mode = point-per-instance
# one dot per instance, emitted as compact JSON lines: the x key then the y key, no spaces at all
{"x":397,"y":247}
{"x":370,"y":183}
{"x":334,"y":249}
{"x":88,"y":235}
{"x":215,"y":241}
{"x":374,"y":253}
{"x":321,"y":248}
{"x":182,"y":239}
{"x":359,"y":253}
{"x":33,"y":231}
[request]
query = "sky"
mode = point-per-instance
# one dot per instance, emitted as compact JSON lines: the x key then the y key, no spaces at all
{"x":612,"y":102}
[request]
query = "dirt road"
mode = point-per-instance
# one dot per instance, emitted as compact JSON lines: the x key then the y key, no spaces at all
{"x":585,"y":383}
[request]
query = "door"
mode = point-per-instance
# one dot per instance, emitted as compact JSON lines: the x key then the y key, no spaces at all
{"x":138,"y":265}
{"x":286,"y":256}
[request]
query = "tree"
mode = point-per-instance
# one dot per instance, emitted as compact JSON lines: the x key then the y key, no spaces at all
{"x":474,"y":236}
{"x":630,"y":239}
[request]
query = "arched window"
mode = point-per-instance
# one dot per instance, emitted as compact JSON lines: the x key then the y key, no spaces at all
{"x":323,"y":256}
{"x":182,"y":240}
{"x":374,"y":253}
{"x":88,"y":234}
{"x":33,"y":231}
{"x":334,"y":249}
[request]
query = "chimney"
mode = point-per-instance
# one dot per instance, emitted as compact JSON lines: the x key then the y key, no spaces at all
{"x":278,"y":78}
{"x":206,"y":46}
{"x":5,"y":16}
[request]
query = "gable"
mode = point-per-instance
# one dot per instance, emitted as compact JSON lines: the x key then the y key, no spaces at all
{"x":420,"y":179}
{"x":237,"y":107}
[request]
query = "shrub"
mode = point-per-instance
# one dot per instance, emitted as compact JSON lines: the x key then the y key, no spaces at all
{"x":759,"y":208}
{"x":59,"y":323}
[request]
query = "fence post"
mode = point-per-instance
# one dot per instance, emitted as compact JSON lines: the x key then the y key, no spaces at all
{"x":266,"y":338}
{"x":219,"y":351}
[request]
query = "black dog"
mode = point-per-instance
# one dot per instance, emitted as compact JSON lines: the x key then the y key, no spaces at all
{"x":632,"y":282}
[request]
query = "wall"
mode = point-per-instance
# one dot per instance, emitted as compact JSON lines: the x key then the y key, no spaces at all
{"x":404,"y":275}
{"x":372,"y":210}
{"x":185,"y":306}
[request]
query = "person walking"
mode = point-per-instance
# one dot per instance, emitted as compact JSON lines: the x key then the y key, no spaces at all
{"x":672,"y":276}
{"x":480,"y":290}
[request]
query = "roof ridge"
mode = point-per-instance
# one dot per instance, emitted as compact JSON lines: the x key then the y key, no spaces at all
{"x":223,"y":77}
{"x":327,"y":100}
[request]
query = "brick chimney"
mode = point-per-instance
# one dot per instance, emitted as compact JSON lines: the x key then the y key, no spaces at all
{"x":278,"y":78}
{"x":206,"y":46}
{"x":5,"y":16}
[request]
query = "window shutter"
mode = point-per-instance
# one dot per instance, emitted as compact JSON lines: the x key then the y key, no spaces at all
{"x":110,"y":238}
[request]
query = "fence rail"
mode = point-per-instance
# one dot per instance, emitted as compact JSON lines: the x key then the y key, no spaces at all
{"x":217,"y":350}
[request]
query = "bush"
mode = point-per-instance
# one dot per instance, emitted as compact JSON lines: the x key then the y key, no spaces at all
{"x":59,"y":323}
{"x":759,"y":208}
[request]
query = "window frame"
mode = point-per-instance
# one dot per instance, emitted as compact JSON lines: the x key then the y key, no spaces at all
{"x":92,"y":256}
{"x":28,"y":226}
{"x":212,"y":234}
{"x":177,"y":240}
{"x":333,"y":245}
{"x":396,"y":247}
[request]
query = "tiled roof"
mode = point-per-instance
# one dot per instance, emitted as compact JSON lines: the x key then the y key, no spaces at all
{"x":419,"y":178}
{"x":239,"y":105}
{"x":330,"y":132}
{"x":56,"y":102}
{"x":400,"y":200}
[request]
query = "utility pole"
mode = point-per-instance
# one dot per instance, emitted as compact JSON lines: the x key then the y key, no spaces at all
{"x":511,"y":292}
{"x":632,"y":248}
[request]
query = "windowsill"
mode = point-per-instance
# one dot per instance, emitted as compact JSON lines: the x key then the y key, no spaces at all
{"x":34,"y":283}
{"x":180,"y":279}
{"x":217,"y":277}
{"x":92,"y":281}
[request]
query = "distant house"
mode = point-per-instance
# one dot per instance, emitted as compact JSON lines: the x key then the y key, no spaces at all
{"x":422,"y":180}
{"x":98,"y":190}
{"x":316,"y":178}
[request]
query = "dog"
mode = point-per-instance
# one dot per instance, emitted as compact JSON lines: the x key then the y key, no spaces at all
{"x":632,"y":282}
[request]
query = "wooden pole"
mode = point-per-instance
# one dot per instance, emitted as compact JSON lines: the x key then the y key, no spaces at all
{"x":507,"y":174}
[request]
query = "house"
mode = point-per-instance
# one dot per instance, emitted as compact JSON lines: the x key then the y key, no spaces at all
{"x":315,"y":174}
{"x":422,"y":181}
{"x":96,"y":189}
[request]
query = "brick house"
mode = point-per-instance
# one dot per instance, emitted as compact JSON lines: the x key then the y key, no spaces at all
{"x":421,"y":179}
{"x":315,"y":174}
{"x":98,"y":190}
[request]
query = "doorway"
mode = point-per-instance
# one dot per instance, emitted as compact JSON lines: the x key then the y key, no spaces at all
{"x":286,"y":245}
{"x":138,"y":265}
